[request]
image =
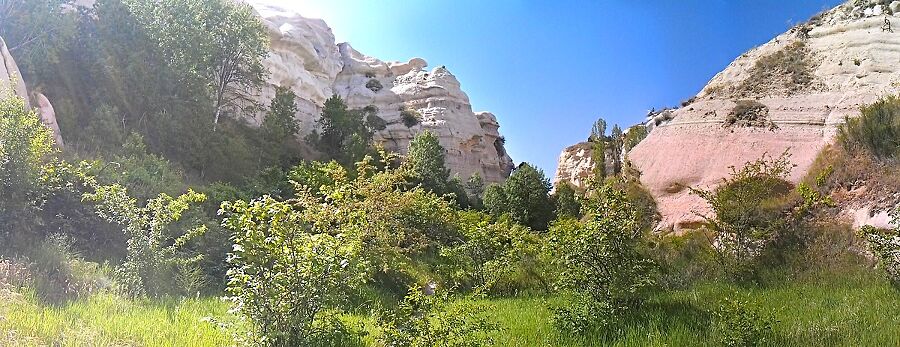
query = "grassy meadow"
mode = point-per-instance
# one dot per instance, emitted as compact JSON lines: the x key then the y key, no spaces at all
{"x":854,"y":308}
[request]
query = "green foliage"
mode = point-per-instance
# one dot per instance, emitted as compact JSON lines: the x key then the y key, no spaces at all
{"x":787,"y":71}
{"x":34,"y":30}
{"x":750,"y":210}
{"x":524,"y":197}
{"x":491,"y":254}
{"x":410,"y":117}
{"x":26,"y":163}
{"x":155,"y":246}
{"x":877,"y":130}
{"x":634,"y":136}
{"x":599,"y":263}
{"x":598,"y":131}
{"x":475,"y":189}
{"x":280,"y":126}
{"x":567,"y":204}
{"x":345,"y":135}
{"x":433,"y":320}
{"x":426,"y":163}
{"x":216,"y":46}
{"x":885,"y":244}
{"x":289,"y":273}
{"x":737,"y":323}
{"x":144,"y":174}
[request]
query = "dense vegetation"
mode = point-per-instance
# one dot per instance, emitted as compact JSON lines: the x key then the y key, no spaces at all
{"x":164,"y":200}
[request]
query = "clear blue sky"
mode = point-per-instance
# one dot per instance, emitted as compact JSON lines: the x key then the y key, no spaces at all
{"x":548,"y":69}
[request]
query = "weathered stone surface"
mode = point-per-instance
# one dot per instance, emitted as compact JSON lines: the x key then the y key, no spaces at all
{"x":851,"y":62}
{"x":48,"y":116}
{"x":10,"y":76}
{"x":305,"y":58}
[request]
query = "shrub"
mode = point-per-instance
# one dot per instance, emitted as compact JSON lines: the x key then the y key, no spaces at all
{"x":287,"y":275}
{"x":634,"y":136}
{"x":787,"y":71}
{"x":749,"y":211}
{"x":374,"y":85}
{"x":426,"y":163}
{"x":60,"y":275}
{"x":26,"y":154}
{"x":410,"y":118}
{"x":156,"y":242}
{"x":684,"y":260}
{"x":737,"y":323}
{"x":599,"y":263}
{"x":370,"y":74}
{"x":885,"y":244}
{"x":432,"y":320}
{"x":876,"y":130}
{"x":748,"y":113}
{"x":492,"y":253}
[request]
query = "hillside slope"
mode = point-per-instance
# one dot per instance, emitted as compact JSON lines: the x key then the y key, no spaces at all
{"x":789,"y":94}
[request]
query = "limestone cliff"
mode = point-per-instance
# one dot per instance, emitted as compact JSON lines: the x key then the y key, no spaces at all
{"x":305,"y":58}
{"x":800,"y":86}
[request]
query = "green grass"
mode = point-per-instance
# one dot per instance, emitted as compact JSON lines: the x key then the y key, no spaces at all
{"x":108,"y":320}
{"x":852,"y":309}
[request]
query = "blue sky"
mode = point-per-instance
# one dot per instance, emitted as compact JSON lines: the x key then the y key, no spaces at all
{"x":548,"y":69}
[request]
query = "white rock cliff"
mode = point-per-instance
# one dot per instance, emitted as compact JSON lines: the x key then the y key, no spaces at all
{"x":305,"y":58}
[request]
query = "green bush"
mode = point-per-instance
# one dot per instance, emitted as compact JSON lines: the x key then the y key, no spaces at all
{"x":748,"y":209}
{"x":885,"y":244}
{"x":737,"y":323}
{"x":156,"y":263}
{"x":288,"y":275}
{"x":876,"y":130}
{"x":788,"y":71}
{"x":27,"y":156}
{"x":599,"y":264}
{"x":433,"y":320}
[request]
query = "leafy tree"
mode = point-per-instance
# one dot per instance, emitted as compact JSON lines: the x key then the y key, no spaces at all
{"x":598,"y":131}
{"x":600,"y":268}
{"x":345,"y":135}
{"x":495,"y":200}
{"x":567,"y":205}
{"x":280,"y":125}
{"x":215,"y":45}
{"x":474,"y":189}
{"x":34,"y":29}
{"x":425,"y":162}
{"x":525,"y":198}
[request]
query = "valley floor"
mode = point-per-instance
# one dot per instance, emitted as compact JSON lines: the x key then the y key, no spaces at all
{"x":830,"y":310}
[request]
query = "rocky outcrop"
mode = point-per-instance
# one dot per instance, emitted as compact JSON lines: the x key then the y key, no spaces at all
{"x":48,"y":116}
{"x":808,"y":80}
{"x":305,"y":58}
{"x":10,"y":77}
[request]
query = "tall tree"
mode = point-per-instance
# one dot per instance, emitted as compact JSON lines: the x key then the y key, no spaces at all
{"x":566,"y":199}
{"x":217,"y":45}
{"x":524,"y":197}
{"x":426,"y":162}
{"x":344,"y":134}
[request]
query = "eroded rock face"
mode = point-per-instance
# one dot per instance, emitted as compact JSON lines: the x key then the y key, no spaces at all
{"x":10,"y":76}
{"x":809,"y":79}
{"x":305,"y":58}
